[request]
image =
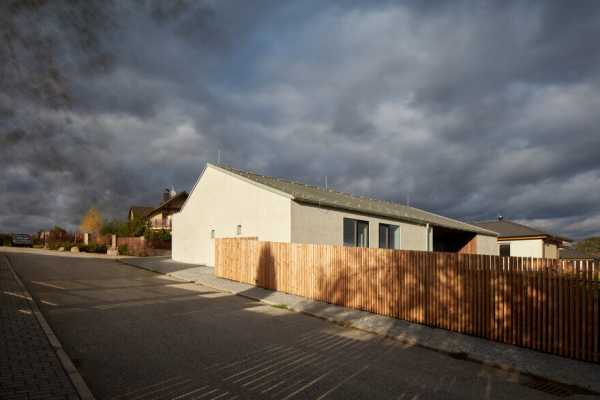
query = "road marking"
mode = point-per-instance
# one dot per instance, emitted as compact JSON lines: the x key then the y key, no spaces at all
{"x":189,"y":393}
{"x":219,"y":396}
{"x":18,"y":295}
{"x":341,"y":383}
{"x":207,"y":393}
{"x":170,"y":386}
{"x":48,"y":284}
{"x":143,"y":389}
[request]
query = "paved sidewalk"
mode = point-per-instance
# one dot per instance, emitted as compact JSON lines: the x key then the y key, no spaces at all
{"x":548,"y":366}
{"x":56,"y":253}
{"x":29,"y":365}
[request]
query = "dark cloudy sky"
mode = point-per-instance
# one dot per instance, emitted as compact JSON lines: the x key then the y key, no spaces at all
{"x":468,"y":108}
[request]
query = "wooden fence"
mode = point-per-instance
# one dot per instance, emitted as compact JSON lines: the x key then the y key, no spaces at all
{"x":542,"y":304}
{"x":137,"y":245}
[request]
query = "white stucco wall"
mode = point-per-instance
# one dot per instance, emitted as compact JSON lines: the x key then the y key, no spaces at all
{"x":525,"y":248}
{"x":313,"y":224}
{"x":487,"y":245}
{"x":222,"y":201}
{"x":550,"y":250}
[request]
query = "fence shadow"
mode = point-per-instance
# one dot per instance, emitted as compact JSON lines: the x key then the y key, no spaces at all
{"x":266,"y":275}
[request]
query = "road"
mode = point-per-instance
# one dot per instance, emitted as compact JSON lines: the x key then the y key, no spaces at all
{"x":137,"y":335}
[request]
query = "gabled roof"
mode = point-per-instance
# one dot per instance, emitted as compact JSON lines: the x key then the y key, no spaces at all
{"x":139,"y":211}
{"x":509,"y":229}
{"x":330,"y":198}
{"x":173,"y":204}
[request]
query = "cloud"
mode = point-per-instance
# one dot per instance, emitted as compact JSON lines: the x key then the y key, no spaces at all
{"x":468,"y":110}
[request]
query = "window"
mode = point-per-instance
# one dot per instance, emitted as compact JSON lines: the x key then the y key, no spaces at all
{"x":389,"y":236}
{"x":356,"y":233}
{"x":505,"y":250}
{"x":239,"y":230}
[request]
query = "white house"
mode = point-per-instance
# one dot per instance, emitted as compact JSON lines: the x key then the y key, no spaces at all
{"x":517,"y":240}
{"x":226,"y":202}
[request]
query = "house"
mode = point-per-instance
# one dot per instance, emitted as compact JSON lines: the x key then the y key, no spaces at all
{"x":518,"y":240}
{"x":136,"y":212}
{"x":161,"y":216}
{"x":227,"y":202}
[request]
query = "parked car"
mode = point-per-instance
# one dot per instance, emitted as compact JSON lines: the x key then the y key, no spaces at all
{"x":22,"y":239}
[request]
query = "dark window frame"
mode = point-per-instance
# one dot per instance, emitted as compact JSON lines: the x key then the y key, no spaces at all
{"x":355,"y":232}
{"x":505,"y":246}
{"x":389,"y":236}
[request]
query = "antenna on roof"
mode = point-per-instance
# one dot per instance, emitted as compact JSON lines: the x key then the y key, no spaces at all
{"x":326,"y":187}
{"x":218,"y":156}
{"x":408,"y":200}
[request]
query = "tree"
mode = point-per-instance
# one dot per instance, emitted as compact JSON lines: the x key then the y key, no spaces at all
{"x":137,"y":227}
{"x":91,"y":222}
{"x":590,"y":245}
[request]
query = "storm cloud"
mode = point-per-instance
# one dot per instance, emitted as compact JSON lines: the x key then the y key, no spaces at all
{"x":470,"y":109}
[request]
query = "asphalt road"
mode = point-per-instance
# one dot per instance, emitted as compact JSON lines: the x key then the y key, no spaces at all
{"x":137,"y":335}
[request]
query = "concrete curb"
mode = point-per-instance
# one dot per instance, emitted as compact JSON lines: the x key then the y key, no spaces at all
{"x":402,"y":331}
{"x":76,"y":379}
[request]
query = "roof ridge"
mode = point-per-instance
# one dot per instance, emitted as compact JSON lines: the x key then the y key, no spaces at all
{"x":508,"y":221}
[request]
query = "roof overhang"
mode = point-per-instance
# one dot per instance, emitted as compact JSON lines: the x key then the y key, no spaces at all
{"x":534,"y":237}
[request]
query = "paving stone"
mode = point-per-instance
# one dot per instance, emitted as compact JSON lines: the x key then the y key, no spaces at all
{"x":29,"y":367}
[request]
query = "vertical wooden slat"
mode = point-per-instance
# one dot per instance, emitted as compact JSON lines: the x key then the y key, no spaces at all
{"x":557,"y":304}
{"x":585,"y":339}
{"x":537,"y":320}
{"x":518,"y":300}
{"x":577,"y":319}
{"x":561,"y":307}
{"x":551,"y":305}
{"x":590,"y":306}
{"x":596,"y":278}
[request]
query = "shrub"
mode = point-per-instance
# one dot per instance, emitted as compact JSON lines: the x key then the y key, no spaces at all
{"x":137,"y":227}
{"x":158,"y":235}
{"x":99,"y":248}
{"x":92,"y":248}
{"x":124,"y":249}
{"x":55,"y":245}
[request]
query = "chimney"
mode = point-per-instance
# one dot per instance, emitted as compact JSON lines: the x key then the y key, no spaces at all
{"x":166,"y":195}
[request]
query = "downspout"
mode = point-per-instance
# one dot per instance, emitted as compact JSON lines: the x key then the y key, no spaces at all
{"x":427,"y":237}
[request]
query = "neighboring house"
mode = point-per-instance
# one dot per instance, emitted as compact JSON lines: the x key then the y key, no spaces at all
{"x":136,"y":212}
{"x":161,"y":216}
{"x":518,"y":240}
{"x":227,"y":202}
